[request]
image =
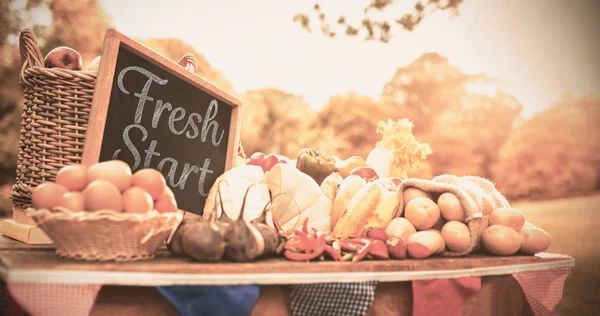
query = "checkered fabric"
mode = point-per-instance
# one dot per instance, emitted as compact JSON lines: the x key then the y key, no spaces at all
{"x":54,"y":299}
{"x":543,"y":289}
{"x":332,"y":299}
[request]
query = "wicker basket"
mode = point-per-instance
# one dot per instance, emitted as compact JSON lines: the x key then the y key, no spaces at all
{"x":54,"y":120}
{"x":106,"y":235}
{"x":55,"y":117}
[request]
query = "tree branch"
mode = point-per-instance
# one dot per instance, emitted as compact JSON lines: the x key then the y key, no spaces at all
{"x":379,"y":30}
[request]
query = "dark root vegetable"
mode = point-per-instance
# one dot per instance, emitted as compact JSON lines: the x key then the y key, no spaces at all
{"x":203,"y":242}
{"x":244,"y":241}
{"x":174,"y":246}
{"x":270,"y":237}
{"x":223,"y":222}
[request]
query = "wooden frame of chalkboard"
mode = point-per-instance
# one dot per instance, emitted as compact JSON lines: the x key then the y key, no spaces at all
{"x":151,"y":112}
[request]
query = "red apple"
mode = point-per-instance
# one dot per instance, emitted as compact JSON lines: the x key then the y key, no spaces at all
{"x":365,"y":172}
{"x":266,"y":162}
{"x":64,"y":57}
{"x":283,"y":159}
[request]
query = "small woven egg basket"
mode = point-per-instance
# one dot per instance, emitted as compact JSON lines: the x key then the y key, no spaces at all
{"x":106,"y":235}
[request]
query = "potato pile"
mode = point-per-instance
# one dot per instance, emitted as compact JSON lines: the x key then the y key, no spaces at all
{"x":432,"y":224}
{"x":108,"y":185}
{"x":510,"y":233}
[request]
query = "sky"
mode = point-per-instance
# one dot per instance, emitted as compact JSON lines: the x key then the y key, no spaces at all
{"x":543,"y":49}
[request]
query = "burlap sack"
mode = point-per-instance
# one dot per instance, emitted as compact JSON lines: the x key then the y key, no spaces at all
{"x":478,"y":196}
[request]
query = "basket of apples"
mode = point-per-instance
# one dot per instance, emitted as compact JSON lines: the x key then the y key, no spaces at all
{"x":104,"y":212}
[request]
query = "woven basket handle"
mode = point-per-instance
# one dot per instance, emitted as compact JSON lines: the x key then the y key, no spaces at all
{"x":189,"y":62}
{"x":31,"y":56}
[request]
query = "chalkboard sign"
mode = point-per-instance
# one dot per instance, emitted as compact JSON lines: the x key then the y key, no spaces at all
{"x":152,"y":113}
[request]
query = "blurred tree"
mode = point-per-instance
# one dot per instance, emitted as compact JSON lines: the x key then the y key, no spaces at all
{"x":275,"y":121}
{"x":87,"y":37}
{"x":374,"y":28}
{"x":354,"y":119}
{"x":465,"y":118}
{"x":174,"y":49}
{"x":12,"y":19}
{"x":91,"y":21}
{"x":554,"y":154}
{"x":466,"y":141}
{"x":425,"y":89}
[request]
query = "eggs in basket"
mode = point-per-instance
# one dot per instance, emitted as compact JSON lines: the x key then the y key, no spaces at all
{"x":108,"y":185}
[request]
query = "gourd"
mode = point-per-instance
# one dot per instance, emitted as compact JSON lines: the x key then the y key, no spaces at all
{"x":296,"y":197}
{"x":233,"y":184}
{"x":372,"y":206}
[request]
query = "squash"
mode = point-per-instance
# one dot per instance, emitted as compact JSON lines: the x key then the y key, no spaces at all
{"x":296,"y":197}
{"x":345,"y":193}
{"x":373,"y":205}
{"x":233,"y":184}
{"x":330,"y":186}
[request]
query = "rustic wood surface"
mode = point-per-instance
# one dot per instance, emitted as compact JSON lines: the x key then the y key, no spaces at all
{"x":165,"y":263}
{"x":21,"y":264}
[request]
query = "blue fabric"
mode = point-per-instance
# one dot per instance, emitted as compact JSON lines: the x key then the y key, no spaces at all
{"x":211,"y":300}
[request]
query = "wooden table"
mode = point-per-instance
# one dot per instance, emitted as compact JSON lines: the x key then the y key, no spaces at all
{"x":39,"y":264}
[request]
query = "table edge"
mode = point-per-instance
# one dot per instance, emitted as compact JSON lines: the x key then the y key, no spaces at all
{"x":166,"y":279}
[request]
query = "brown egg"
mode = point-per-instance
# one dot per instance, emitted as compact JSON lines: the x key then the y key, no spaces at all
{"x":72,"y":177}
{"x":166,"y":203}
{"x":137,"y":200}
{"x":114,"y":171}
{"x":102,"y":195}
{"x":150,"y":180}
{"x":73,"y":201}
{"x":47,"y":195}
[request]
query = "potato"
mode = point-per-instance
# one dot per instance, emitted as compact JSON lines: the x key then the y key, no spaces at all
{"x":422,"y":212}
{"x":528,"y":225}
{"x":457,"y":236}
{"x":534,"y":240}
{"x":501,"y":240}
{"x":411,"y":193}
{"x":401,"y":228}
{"x":425,"y":243}
{"x":509,"y":217}
{"x":451,"y":207}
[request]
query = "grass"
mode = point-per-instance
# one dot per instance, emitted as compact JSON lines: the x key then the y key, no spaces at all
{"x":574,"y":225}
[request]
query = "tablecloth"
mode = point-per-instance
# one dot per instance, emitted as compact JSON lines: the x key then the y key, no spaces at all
{"x":543,"y":290}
